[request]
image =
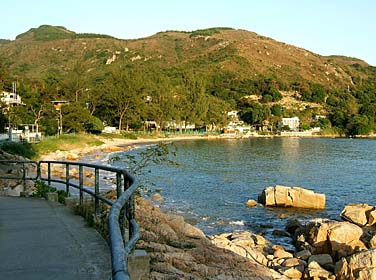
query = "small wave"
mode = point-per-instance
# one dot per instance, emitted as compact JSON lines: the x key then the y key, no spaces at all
{"x":237,"y":223}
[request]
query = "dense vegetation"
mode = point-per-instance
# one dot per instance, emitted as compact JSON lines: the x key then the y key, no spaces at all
{"x":181,"y":77}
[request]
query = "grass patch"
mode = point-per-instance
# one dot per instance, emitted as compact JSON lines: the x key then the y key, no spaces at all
{"x":66,"y":142}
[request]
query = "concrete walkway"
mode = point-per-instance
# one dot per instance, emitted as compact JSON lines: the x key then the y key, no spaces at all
{"x":45,"y":240}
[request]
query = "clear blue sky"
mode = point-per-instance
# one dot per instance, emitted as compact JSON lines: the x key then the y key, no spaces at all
{"x":343,"y":27}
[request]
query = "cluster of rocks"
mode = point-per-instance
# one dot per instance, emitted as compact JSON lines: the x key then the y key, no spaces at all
{"x":325,"y":249}
{"x":283,"y":196}
{"x":16,"y":186}
{"x":178,"y":250}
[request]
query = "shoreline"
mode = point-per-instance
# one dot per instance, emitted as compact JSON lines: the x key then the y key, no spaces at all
{"x":111,"y":145}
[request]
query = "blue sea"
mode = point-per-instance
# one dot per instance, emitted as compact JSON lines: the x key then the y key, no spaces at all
{"x":213,"y":179}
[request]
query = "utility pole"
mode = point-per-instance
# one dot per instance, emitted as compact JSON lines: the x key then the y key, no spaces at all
{"x":58,"y":104}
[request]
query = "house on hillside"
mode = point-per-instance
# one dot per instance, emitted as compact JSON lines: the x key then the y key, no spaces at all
{"x":234,"y":119}
{"x":10,"y":99}
{"x":292,"y":123}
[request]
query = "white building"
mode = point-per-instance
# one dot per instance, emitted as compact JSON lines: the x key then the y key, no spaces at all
{"x":10,"y":99}
{"x":234,"y":120}
{"x":292,"y":123}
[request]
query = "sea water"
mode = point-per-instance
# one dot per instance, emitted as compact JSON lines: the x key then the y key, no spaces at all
{"x":213,"y":179}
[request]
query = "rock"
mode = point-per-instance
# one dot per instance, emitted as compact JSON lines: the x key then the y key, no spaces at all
{"x":360,"y":266}
{"x":278,"y":232}
{"x":251,"y":203}
{"x":256,"y":255}
{"x":191,"y":231}
{"x":292,"y":225}
{"x":242,"y":238}
{"x":282,"y":254}
{"x":267,"y":197}
{"x":282,"y":196}
{"x":291,"y":272}
{"x":372,"y":242}
{"x":321,"y":259}
{"x":260,"y":240}
{"x":72,"y":156}
{"x":344,"y":239}
{"x":357,"y":213}
{"x":304,"y":254}
{"x":335,"y":238}
{"x":315,"y":270}
{"x":283,"y":216}
{"x":316,"y":234}
{"x":372,"y":218}
{"x":176,"y":253}
{"x":157,"y":198}
{"x":289,"y":262}
{"x":240,"y":243}
{"x":178,"y":224}
{"x":303,"y":198}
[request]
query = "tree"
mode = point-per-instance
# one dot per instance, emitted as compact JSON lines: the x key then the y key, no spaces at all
{"x":195,"y":104}
{"x":277,"y":110}
{"x":216,"y":115}
{"x":358,"y":125}
{"x":255,"y":113}
{"x":162,"y":107}
{"x":74,"y":117}
{"x":123,"y":91}
{"x":76,"y":84}
{"x":35,"y":103}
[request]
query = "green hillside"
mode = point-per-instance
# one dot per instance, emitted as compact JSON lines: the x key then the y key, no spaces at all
{"x":230,"y":68}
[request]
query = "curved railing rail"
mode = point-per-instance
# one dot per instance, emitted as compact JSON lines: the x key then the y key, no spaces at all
{"x":73,"y":174}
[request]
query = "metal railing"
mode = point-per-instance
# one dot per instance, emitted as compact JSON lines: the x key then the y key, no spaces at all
{"x":73,"y":174}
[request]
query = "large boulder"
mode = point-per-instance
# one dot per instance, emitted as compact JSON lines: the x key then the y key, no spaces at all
{"x":339,"y":239}
{"x":344,"y":239}
{"x":359,"y":214}
{"x":283,"y":196}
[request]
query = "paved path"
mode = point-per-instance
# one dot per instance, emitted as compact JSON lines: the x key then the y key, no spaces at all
{"x":45,"y":240}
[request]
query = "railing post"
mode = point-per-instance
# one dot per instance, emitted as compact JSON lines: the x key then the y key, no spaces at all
{"x":122,"y":217}
{"x":67,"y":178}
{"x":38,"y":171}
{"x":81,"y":183}
{"x":24,"y":177}
{"x":119,"y":189}
{"x":129,"y":206}
{"x":96,"y":189}
{"x":49,"y":175}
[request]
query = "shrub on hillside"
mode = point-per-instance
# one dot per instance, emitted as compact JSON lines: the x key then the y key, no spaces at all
{"x":25,"y":150}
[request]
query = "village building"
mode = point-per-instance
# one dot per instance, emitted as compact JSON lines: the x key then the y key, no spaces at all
{"x":10,"y":99}
{"x":292,"y":123}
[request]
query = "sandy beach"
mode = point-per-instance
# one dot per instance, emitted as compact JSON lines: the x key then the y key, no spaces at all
{"x":113,"y":145}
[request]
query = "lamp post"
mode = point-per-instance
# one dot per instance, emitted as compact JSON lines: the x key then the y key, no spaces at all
{"x":58,"y":104}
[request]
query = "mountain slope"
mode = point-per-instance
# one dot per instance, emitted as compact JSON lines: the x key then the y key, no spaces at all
{"x":243,"y":53}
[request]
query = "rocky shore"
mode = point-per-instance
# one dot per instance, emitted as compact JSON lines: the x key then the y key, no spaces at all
{"x":325,"y":249}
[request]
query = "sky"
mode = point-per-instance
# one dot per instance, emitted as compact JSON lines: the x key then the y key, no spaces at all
{"x":326,"y":27}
